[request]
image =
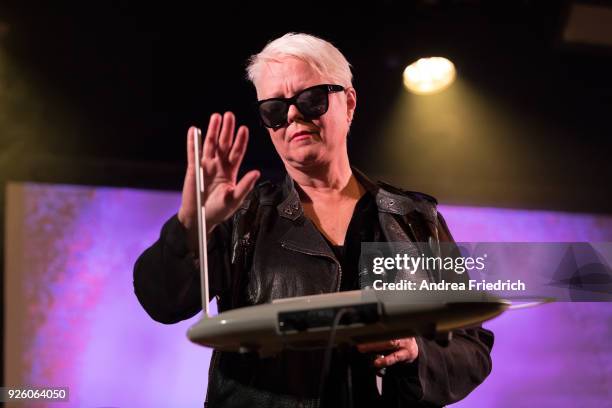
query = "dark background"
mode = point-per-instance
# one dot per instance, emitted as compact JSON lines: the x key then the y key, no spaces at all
{"x":102,"y":94}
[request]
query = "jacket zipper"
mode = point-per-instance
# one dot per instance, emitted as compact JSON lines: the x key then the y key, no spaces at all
{"x":322,"y":255}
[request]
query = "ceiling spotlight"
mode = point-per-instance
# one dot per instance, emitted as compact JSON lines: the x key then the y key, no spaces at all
{"x":429,"y":75}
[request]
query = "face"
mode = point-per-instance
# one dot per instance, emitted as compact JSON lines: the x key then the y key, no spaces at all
{"x":305,"y":143}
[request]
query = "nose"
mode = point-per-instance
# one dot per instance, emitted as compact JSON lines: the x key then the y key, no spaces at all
{"x":293,"y":114}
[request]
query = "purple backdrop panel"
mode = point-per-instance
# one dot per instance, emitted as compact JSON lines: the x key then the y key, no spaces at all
{"x":555,"y":355}
{"x":85,"y":329}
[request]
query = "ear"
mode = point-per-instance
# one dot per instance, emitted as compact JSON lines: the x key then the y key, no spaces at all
{"x":351,"y":103}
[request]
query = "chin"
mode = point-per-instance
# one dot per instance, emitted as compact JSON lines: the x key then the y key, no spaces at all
{"x":306,"y":159}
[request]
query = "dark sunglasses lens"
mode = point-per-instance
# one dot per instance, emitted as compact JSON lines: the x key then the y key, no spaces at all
{"x":313,"y":102}
{"x":273,"y":113}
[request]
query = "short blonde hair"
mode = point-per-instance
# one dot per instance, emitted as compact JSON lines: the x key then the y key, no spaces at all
{"x":321,"y":55}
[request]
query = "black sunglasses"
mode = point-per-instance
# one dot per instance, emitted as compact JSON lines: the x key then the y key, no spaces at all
{"x":311,"y":102}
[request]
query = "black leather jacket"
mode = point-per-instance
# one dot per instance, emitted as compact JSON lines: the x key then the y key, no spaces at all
{"x":270,"y":250}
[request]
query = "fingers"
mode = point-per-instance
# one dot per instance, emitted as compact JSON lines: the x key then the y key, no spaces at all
{"x":220,"y":138}
{"x":221,"y":152}
{"x":239,"y":147}
{"x":405,"y":350}
{"x":378,"y":346}
{"x":210,"y":143}
{"x":227,"y":133}
{"x":401,"y":355}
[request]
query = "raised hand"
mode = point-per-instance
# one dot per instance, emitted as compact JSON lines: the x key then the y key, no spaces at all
{"x":221,"y":155}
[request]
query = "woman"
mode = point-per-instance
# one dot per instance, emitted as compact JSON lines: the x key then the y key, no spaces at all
{"x":299,"y":238}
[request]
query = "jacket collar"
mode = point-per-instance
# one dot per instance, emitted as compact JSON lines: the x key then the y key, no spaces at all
{"x":388,"y":198}
{"x":305,"y":238}
{"x":291,"y":206}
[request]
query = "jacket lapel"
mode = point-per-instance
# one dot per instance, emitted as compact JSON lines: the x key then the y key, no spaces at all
{"x":302,"y":236}
{"x":396,"y":217}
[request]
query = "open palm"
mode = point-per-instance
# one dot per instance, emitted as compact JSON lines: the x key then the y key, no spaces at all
{"x":222,"y":155}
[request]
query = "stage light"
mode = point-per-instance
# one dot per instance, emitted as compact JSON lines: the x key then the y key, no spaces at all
{"x":429,"y":75}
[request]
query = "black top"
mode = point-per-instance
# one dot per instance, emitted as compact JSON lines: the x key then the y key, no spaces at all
{"x":363,"y":227}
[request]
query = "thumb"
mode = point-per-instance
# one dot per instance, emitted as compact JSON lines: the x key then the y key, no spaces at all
{"x":245,"y":185}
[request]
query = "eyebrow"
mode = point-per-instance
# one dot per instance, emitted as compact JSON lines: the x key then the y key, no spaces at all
{"x":288,"y":97}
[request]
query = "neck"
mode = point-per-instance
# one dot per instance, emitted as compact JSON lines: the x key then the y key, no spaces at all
{"x":334,"y":175}
{"x":334,"y":179}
